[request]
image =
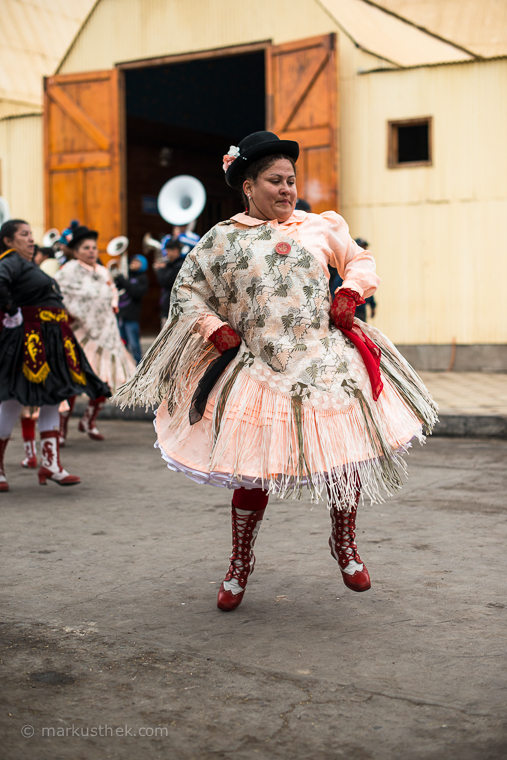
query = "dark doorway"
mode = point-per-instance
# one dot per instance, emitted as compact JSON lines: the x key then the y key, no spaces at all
{"x":181,"y":119}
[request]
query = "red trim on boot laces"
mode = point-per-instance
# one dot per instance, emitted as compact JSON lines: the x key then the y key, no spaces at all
{"x":344,"y":549}
{"x":244,"y":533}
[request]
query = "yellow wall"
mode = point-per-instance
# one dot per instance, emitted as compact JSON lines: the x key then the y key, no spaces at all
{"x":123,"y":30}
{"x":438,"y":233}
{"x":21,"y":168}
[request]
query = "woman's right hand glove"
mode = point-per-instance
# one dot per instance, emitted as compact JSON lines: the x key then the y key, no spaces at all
{"x":224,"y":338}
{"x":13,"y":320}
{"x":344,"y":306}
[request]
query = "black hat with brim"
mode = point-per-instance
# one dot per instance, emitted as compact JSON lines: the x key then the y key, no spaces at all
{"x":82,"y":233}
{"x":255,"y":146}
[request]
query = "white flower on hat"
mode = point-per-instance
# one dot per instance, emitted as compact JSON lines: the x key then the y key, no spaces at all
{"x":230,"y":157}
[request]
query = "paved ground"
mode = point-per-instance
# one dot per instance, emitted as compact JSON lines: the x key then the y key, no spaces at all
{"x":110,"y":622}
{"x":471,"y":393}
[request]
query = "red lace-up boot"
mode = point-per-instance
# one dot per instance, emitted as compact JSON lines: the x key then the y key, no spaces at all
{"x":51,"y":468}
{"x":4,"y":486}
{"x":248,"y":507}
{"x":344,"y":549}
{"x":87,"y":424}
{"x":244,"y":532}
{"x":28,"y":433}
{"x":64,"y":420}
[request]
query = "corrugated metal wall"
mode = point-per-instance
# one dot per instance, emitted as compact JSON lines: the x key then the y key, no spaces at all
{"x":21,"y":169}
{"x":123,"y":30}
{"x":438,"y":233}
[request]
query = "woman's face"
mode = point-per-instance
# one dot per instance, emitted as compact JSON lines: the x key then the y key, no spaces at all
{"x":22,"y":241}
{"x":87,"y":252}
{"x":273,"y":195}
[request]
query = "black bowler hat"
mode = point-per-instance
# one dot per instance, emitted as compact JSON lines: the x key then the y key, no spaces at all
{"x":254,"y":146}
{"x":81,"y":233}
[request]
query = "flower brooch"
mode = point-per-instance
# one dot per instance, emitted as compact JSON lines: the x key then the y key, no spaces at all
{"x":230,"y":157}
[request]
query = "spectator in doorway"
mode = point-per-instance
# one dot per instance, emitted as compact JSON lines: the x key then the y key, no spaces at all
{"x":45,"y":260}
{"x":166,"y":272}
{"x":131,"y":292}
{"x":186,"y":236}
{"x":302,"y":205}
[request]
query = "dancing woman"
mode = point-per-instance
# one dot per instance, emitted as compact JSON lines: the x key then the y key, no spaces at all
{"x":91,"y":299}
{"x":41,"y":363}
{"x":264,"y":385}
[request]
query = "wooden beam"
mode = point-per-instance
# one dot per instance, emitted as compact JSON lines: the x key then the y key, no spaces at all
{"x":80,"y":118}
{"x":316,"y":137}
{"x":300,"y":92}
{"x":253,"y":47}
{"x":100,"y":159}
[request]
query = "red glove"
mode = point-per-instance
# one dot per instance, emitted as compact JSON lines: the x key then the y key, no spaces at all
{"x":224,"y":338}
{"x":344,"y":306}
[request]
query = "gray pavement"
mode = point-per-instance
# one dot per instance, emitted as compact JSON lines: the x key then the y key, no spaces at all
{"x":110,"y":622}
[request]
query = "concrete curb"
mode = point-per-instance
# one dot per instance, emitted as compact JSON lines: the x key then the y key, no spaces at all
{"x":471,"y":426}
{"x":450,"y":425}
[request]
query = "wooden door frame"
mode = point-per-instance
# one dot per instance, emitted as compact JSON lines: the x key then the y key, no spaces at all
{"x":232,"y":50}
{"x":142,"y":63}
{"x":264,"y":46}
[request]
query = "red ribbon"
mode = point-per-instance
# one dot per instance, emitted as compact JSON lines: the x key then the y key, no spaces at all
{"x":370,"y":354}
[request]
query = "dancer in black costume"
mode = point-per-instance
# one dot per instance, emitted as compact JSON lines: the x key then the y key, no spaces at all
{"x":41,"y":362}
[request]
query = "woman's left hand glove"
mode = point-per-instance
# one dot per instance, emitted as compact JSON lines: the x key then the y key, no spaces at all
{"x":14,"y":320}
{"x":344,"y":306}
{"x":224,"y":338}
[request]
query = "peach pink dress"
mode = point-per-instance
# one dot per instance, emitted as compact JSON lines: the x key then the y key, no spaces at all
{"x":294,"y":409}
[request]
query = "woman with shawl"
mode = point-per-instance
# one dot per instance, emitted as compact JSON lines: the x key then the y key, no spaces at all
{"x":267,"y":387}
{"x":91,"y":299}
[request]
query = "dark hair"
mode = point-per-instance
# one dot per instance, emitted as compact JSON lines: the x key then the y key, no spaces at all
{"x":49,"y":253}
{"x":261,"y":165}
{"x":8,"y":230}
{"x":173,"y":243}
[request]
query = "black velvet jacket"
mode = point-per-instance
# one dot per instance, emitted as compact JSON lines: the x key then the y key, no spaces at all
{"x":22,"y":283}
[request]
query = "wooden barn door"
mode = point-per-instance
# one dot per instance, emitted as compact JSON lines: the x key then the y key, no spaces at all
{"x":302,"y":89}
{"x":83,"y":129}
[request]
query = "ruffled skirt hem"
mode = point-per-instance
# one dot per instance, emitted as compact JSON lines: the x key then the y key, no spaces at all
{"x":114,"y":367}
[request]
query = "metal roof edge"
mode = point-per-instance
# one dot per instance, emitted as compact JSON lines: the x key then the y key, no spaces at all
{"x":67,"y":52}
{"x":20,"y":115}
{"x":362,"y":72}
{"x":425,"y":30}
{"x":352,"y":39}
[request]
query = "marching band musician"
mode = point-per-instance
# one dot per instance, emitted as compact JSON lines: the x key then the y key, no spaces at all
{"x":91,"y":299}
{"x":41,"y":362}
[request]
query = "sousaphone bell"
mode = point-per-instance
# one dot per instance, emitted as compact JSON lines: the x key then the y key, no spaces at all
{"x":181,"y":200}
{"x":50,"y":238}
{"x":117,"y":248}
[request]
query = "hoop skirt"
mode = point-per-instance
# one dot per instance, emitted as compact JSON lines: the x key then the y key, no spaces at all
{"x":59,"y":383}
{"x":294,"y":409}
